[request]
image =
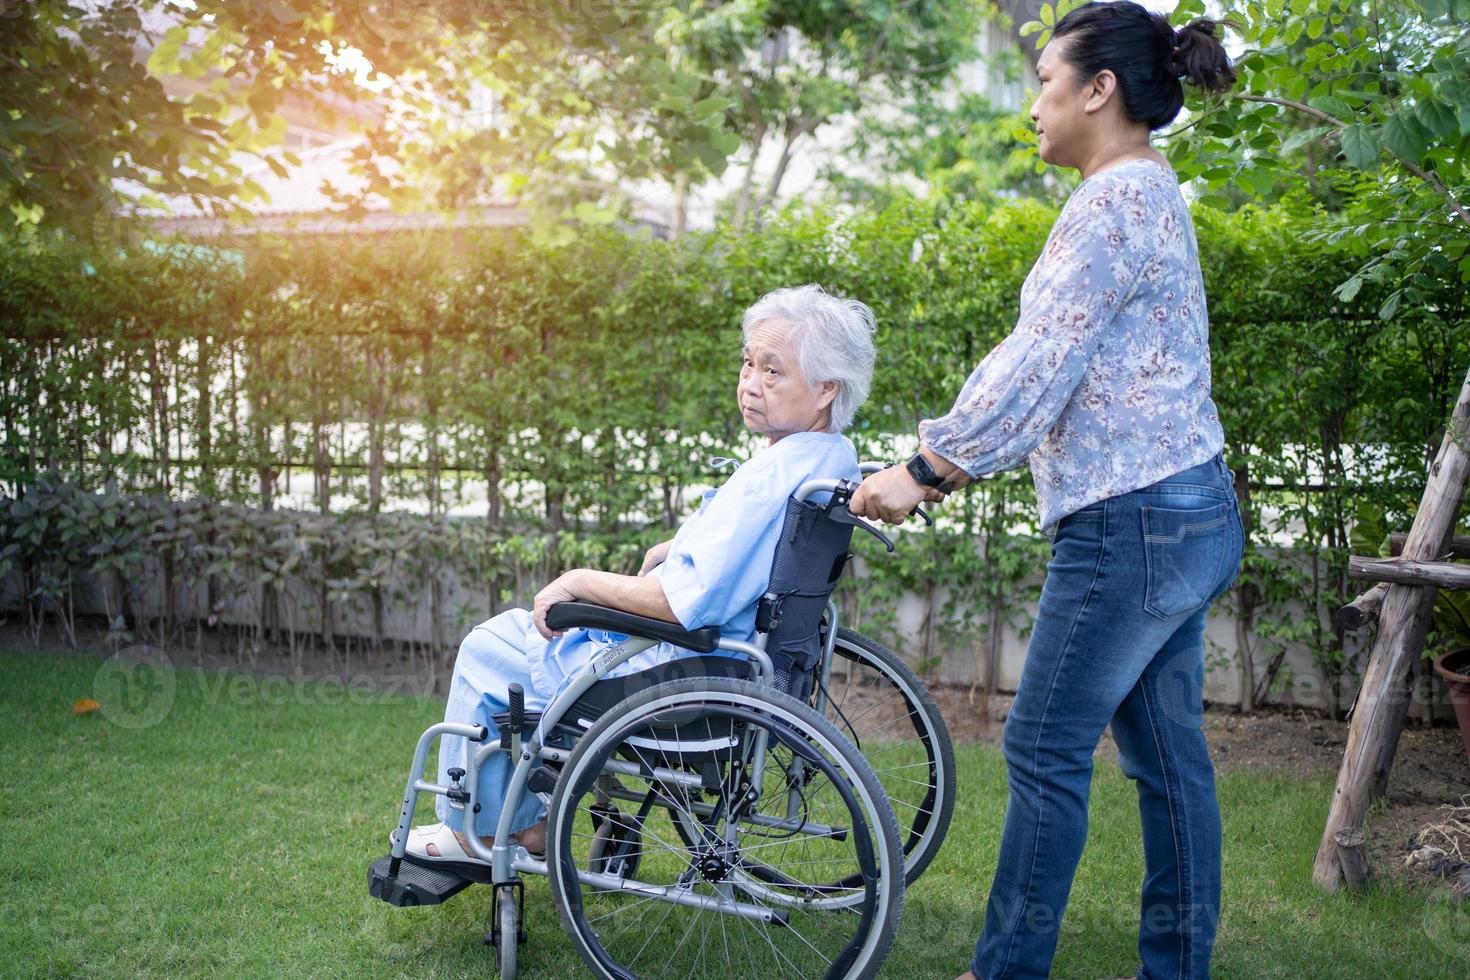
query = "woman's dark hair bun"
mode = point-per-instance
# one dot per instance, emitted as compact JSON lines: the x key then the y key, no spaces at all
{"x":1199,"y":58}
{"x":1146,"y":54}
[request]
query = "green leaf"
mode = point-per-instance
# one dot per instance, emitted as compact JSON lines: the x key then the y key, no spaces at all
{"x":1436,"y":117}
{"x":710,"y":106}
{"x":1048,"y":15}
{"x":1402,"y":135}
{"x":165,"y":58}
{"x":1304,"y":137}
{"x":1349,"y":289}
{"x":1390,"y":306}
{"x":1333,"y":106}
{"x":1360,"y":146}
{"x":713,"y":159}
{"x":726,"y":142}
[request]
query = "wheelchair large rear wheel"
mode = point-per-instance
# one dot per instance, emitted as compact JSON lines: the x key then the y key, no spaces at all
{"x":801,"y":879}
{"x":874,"y":699}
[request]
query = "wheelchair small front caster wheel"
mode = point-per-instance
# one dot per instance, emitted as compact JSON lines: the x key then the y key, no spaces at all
{"x":506,"y":936}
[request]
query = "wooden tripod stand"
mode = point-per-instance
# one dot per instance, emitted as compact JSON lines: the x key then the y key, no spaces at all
{"x":1404,"y":608}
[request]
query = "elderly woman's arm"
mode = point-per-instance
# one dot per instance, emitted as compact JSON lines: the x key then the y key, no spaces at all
{"x":630,"y":593}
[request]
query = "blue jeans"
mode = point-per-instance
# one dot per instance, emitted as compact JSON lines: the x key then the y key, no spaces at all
{"x":1119,"y":638}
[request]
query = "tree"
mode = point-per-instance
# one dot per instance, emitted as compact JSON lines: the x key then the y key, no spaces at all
{"x":791,"y":68}
{"x":1019,"y":13}
{"x":1387,"y":91}
{"x":89,"y":117}
{"x":961,"y":152}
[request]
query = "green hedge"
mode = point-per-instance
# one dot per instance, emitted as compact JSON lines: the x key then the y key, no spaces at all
{"x":586,"y":385}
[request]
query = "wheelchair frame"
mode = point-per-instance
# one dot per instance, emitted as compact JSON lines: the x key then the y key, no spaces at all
{"x":507,"y":861}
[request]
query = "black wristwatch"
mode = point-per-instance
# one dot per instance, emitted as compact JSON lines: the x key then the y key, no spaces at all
{"x":925,"y":476}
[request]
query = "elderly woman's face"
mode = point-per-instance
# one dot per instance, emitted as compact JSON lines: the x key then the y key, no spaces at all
{"x":775,"y":400}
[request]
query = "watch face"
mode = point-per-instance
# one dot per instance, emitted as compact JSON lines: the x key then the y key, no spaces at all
{"x":922,"y":472}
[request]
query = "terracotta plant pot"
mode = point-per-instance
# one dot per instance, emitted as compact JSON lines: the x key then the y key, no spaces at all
{"x":1454,"y":667}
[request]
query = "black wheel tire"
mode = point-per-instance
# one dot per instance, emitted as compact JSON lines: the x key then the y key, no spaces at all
{"x":879,"y":919}
{"x":923,"y":822}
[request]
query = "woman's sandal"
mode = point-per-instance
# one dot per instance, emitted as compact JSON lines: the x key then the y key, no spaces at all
{"x":450,"y":850}
{"x":444,"y":841}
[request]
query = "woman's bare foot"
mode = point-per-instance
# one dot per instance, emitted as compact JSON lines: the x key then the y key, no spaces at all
{"x":533,"y":838}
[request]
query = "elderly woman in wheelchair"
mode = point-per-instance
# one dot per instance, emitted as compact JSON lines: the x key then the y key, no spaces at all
{"x":698,"y":729}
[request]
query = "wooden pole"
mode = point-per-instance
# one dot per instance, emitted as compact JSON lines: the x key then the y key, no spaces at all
{"x":1364,"y":609}
{"x":1442,"y":574}
{"x":1353,"y":855}
{"x":1378,"y":714}
{"x":1459,"y":546}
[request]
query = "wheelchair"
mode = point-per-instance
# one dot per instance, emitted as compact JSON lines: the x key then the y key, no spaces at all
{"x":757,"y":812}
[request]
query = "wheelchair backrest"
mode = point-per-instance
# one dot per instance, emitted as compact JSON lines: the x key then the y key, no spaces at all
{"x":810,"y":558}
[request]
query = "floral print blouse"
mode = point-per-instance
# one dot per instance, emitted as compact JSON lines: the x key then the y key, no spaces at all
{"x":1104,"y":385}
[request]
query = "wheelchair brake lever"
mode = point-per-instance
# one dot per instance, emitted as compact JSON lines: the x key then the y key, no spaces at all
{"x":840,"y":514}
{"x":928,"y":521}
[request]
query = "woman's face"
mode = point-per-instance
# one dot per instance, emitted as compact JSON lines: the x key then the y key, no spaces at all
{"x":775,"y":400}
{"x":1060,"y":110}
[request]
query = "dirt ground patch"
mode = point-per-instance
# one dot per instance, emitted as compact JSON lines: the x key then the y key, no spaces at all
{"x":1430,"y":768}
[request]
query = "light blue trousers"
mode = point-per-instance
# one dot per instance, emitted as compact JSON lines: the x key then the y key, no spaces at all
{"x":490,"y":659}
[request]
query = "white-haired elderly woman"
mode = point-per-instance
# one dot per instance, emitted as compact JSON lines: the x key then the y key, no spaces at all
{"x":806,"y":366}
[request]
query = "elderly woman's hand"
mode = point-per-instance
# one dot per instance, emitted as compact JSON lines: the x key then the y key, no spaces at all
{"x":563,"y":589}
{"x":654,"y":557}
{"x":891,"y":495}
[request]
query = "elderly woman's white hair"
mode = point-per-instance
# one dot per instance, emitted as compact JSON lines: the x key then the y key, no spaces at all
{"x":832,"y":338}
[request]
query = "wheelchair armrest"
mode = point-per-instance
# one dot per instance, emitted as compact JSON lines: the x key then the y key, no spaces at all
{"x":585,"y":615}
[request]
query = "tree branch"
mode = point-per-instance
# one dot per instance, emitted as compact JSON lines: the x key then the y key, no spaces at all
{"x":1332,"y":120}
{"x":1298,"y":106}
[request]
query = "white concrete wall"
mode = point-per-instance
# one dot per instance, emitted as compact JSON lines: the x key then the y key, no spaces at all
{"x":469,"y":601}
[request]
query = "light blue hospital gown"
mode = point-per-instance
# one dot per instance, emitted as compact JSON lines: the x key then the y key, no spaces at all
{"x":715,"y":573}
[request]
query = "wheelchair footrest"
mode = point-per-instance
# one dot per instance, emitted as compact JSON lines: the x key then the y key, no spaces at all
{"x":414,"y":884}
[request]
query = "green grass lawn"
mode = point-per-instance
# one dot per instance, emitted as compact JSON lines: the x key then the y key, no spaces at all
{"x":231,"y":838}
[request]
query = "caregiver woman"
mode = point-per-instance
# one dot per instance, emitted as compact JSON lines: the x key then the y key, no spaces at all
{"x":1104,"y":386}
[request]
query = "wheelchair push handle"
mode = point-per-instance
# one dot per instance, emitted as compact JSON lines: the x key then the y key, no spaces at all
{"x":871,"y":466}
{"x":842,"y":515}
{"x":836,"y":507}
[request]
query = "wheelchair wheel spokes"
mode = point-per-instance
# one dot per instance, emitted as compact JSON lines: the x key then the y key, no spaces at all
{"x":795,"y":851}
{"x":727,"y":884}
{"x":882,"y":706}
